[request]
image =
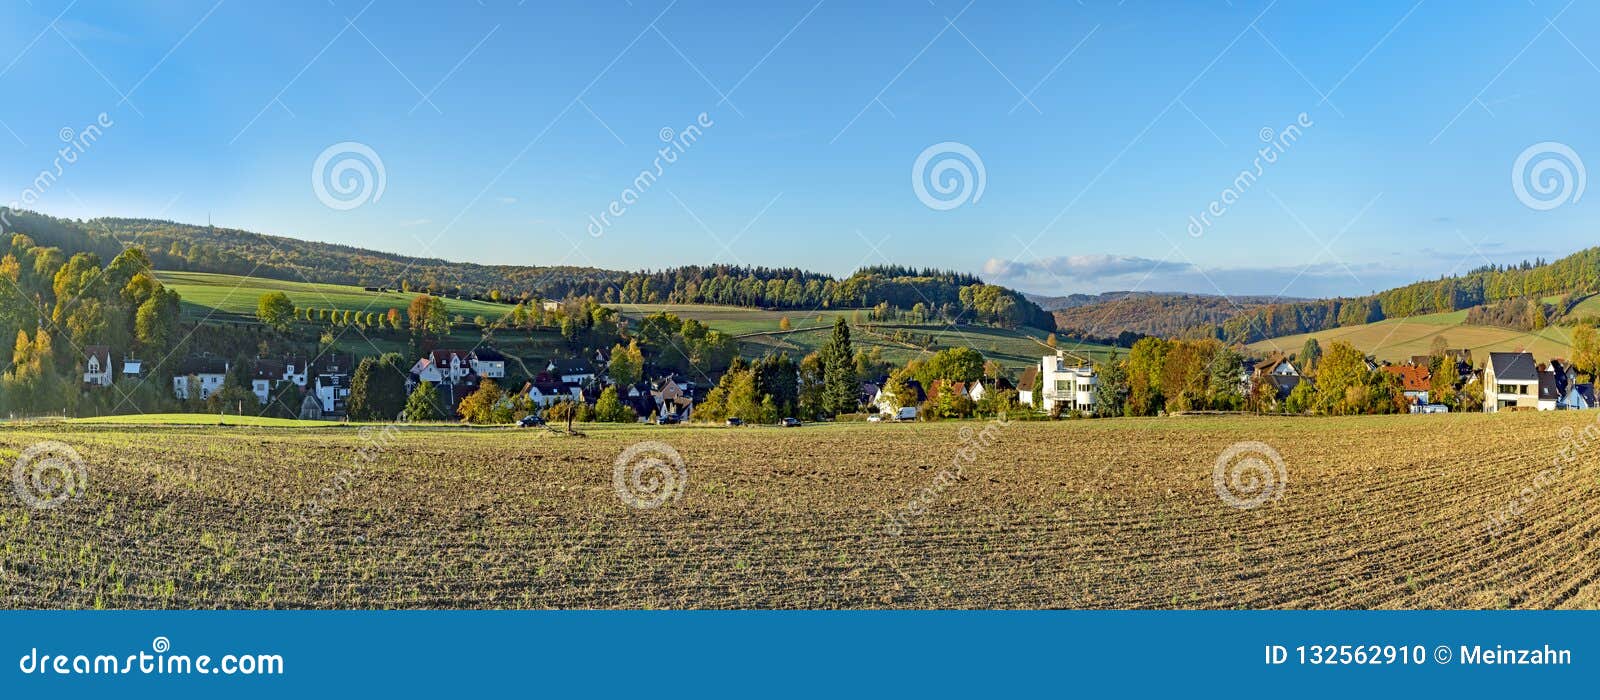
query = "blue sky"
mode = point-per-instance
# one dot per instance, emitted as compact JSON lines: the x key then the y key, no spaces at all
{"x":1102,"y":127}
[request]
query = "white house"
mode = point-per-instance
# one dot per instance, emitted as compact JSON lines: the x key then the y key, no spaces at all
{"x":294,"y":370}
{"x":1549,"y":393}
{"x":97,"y":366}
{"x":266,"y":375}
{"x":980,"y":388}
{"x":333,"y":384}
{"x":1280,"y":366}
{"x":674,"y":396}
{"x":543,"y":394}
{"x":571,"y":371}
{"x":1070,"y":387}
{"x":1025,"y":385}
{"x":1511,"y":380}
{"x":488,"y":363}
{"x":446,"y":367}
{"x":207,"y":372}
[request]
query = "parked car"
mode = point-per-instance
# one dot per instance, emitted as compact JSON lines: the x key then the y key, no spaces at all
{"x":790,"y":423}
{"x":666,"y":419}
{"x":907,"y":413}
{"x":875,"y":418}
{"x":530,"y":421}
{"x":735,"y":422}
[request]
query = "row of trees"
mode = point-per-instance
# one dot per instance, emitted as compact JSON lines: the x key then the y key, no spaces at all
{"x":1186,"y":375}
{"x":1171,"y":375}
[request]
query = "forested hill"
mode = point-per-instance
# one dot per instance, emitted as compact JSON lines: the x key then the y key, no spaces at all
{"x":1165,"y":314}
{"x":176,"y":246}
{"x":1572,"y":276}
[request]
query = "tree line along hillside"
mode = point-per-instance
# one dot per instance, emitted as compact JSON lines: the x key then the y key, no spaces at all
{"x":1575,"y":274}
{"x":186,"y":247}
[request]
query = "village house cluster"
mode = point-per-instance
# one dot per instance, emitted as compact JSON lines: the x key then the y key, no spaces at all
{"x":323,"y":383}
{"x":1510,"y":381}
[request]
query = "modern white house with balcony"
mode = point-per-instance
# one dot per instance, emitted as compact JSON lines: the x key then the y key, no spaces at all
{"x":1069,"y":386}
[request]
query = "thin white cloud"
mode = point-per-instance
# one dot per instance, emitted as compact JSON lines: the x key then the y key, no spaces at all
{"x":1081,"y":268}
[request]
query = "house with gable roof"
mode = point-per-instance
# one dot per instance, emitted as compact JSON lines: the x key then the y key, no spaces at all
{"x":97,"y":365}
{"x":1511,"y":382}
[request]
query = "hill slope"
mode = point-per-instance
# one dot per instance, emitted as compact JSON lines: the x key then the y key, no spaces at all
{"x":1567,"y":279}
{"x":1397,"y":339}
{"x":189,"y":248}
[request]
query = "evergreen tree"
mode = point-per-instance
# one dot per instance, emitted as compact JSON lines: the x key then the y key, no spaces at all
{"x":1110,"y":389}
{"x":423,"y":403}
{"x":840,"y":388}
{"x":359,"y":404}
{"x":1310,"y":355}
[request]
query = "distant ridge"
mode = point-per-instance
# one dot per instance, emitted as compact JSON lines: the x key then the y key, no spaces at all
{"x":927,"y":294}
{"x":1057,"y":303}
{"x":1167,"y":314}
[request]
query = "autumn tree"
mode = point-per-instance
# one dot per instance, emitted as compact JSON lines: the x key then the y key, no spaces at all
{"x":1586,"y":350}
{"x":479,"y":406}
{"x":1342,"y":372}
{"x":276,"y":310}
{"x":429,"y":315}
{"x":627,"y":364}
